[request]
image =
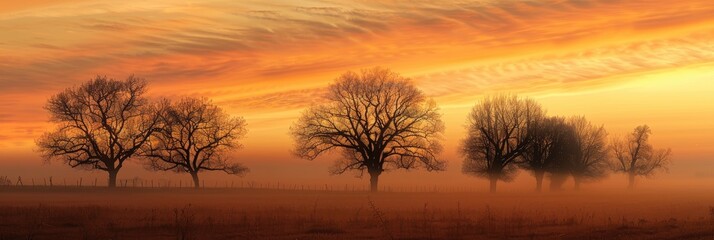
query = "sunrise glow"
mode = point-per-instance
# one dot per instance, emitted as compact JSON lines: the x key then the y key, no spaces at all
{"x":619,"y":63}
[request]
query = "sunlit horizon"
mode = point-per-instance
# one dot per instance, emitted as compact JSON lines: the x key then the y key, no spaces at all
{"x":618,"y":63}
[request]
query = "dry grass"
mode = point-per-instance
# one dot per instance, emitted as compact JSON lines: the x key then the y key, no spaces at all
{"x":255,"y":214}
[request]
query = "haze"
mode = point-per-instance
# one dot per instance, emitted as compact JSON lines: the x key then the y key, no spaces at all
{"x":619,"y":63}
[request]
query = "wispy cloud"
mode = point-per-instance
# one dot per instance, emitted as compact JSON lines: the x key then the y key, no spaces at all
{"x":238,"y":51}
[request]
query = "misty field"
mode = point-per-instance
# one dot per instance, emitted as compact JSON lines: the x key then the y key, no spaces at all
{"x":97,"y":213}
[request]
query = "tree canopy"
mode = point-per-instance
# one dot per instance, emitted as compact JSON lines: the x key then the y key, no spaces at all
{"x":100,"y":124}
{"x":378,"y":120}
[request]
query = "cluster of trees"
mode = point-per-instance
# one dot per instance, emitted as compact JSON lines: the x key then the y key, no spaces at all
{"x":380,"y":121}
{"x":104,"y":122}
{"x":507,"y":133}
{"x":377,"y":119}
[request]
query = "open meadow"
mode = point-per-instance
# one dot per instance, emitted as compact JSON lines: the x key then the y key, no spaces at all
{"x":136,"y":213}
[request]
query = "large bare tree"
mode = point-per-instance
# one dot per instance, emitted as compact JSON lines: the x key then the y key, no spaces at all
{"x":592,"y":160}
{"x":378,"y":119}
{"x":497,"y":135}
{"x":194,"y":136}
{"x":635,"y":156}
{"x":101,"y":124}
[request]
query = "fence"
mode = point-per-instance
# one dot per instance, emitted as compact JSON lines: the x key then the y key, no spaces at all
{"x":140,"y":183}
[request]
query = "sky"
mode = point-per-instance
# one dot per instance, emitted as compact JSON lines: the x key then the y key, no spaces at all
{"x":620,"y":63}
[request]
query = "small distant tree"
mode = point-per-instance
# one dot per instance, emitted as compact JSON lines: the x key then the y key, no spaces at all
{"x":498,"y":135}
{"x":635,"y":156}
{"x":194,"y":136}
{"x":101,"y":124}
{"x":378,"y":119}
{"x":592,"y":160}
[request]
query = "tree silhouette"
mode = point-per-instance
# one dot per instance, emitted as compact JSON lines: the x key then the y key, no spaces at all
{"x":549,"y":150}
{"x":536,"y":156}
{"x":635,"y":156}
{"x":194,"y":136}
{"x":563,"y":153}
{"x":378,"y":119}
{"x":102,"y":123}
{"x":592,"y":159}
{"x":497,"y":136}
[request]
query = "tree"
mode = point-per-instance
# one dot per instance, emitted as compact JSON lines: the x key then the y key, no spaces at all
{"x":563,"y":153}
{"x":549,"y":151}
{"x":194,"y":136}
{"x":592,"y":159}
{"x":635,"y":156}
{"x":102,"y":123}
{"x":498,"y":135}
{"x":378,"y":119}
{"x":536,"y":156}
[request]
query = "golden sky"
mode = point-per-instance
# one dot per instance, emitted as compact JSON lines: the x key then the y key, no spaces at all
{"x":620,"y":63}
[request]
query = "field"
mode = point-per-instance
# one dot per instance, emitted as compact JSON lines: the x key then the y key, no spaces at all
{"x":97,"y":213}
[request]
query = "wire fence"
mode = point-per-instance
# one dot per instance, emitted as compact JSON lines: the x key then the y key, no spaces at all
{"x":141,"y":183}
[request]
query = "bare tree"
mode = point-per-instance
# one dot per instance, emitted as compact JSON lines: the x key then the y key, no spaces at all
{"x":592,"y":160}
{"x":635,"y":156}
{"x":549,"y":150}
{"x":498,"y":135}
{"x":378,"y":119}
{"x":536,"y":156}
{"x":563,"y":153}
{"x":102,"y":123}
{"x":194,"y":136}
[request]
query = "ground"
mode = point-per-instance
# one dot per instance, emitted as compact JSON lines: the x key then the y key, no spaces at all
{"x":152,"y":213}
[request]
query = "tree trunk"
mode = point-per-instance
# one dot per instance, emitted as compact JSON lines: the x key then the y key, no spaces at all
{"x":196,"y":183}
{"x":557,"y":180}
{"x":373,"y":180}
{"x":493,"y":180}
{"x":631,"y":184}
{"x":539,"y":180}
{"x":112,"y":183}
{"x":577,"y":182}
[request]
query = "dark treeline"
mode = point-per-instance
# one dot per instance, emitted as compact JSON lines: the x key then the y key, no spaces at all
{"x":378,"y":120}
{"x":507,"y":133}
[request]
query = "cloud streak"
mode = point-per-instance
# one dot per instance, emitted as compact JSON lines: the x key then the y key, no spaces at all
{"x":260,"y":56}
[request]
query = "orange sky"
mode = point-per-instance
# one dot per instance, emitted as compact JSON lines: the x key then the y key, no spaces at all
{"x":619,"y":63}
